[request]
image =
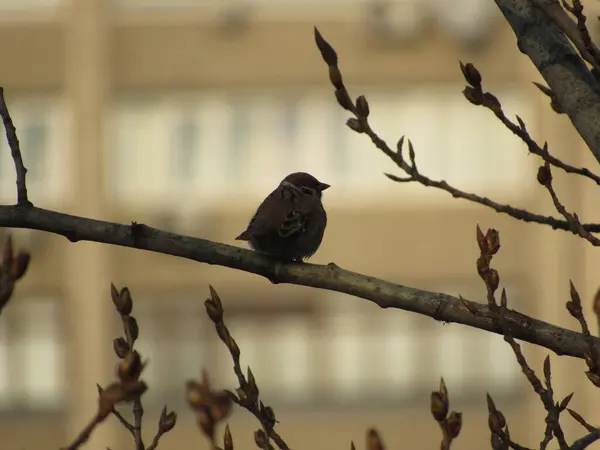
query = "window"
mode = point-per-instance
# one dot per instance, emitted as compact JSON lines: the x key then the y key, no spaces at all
{"x":473,"y":361}
{"x":275,"y":341}
{"x":43,"y":128}
{"x":185,"y":148}
{"x":257,"y":137}
{"x":32,"y":355}
{"x":173,"y":339}
{"x":370,"y":356}
{"x":33,"y":137}
{"x":239,"y":135}
{"x":29,"y":5}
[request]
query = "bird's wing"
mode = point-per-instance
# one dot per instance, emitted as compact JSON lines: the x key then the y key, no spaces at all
{"x":284,"y":211}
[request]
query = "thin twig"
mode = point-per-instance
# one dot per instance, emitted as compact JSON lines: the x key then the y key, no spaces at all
{"x":250,"y":399}
{"x":154,"y":442}
{"x":138,"y":410}
{"x":360,"y":124}
{"x":545,"y":179}
{"x":124,"y":421}
{"x":85,"y":434}
{"x":15,"y":150}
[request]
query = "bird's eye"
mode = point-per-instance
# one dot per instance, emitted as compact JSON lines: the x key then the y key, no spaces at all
{"x":307,"y":190}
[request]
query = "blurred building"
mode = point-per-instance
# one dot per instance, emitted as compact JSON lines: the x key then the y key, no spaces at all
{"x":184,"y":114}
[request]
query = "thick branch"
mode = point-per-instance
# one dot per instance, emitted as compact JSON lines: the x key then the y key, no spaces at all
{"x":385,"y":294}
{"x":568,"y":77}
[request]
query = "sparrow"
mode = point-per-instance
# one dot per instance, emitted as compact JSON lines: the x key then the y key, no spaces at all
{"x":289,"y":224}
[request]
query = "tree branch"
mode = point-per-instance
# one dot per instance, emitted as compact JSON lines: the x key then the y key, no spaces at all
{"x":385,"y":294}
{"x":15,"y":150}
{"x":574,"y":86}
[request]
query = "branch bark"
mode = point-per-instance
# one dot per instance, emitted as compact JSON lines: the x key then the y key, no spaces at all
{"x":439,"y":306}
{"x":576,"y":89}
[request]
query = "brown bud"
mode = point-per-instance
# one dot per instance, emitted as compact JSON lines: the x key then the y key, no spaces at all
{"x":194,"y":396}
{"x":374,"y":441}
{"x":121,"y":347}
{"x":167,"y":420}
{"x":206,"y":424}
{"x":268,"y":414}
{"x":215,"y":298}
{"x":481,"y":241}
{"x":335,"y":76}
{"x":327,"y":51}
{"x":438,"y":407}
{"x":108,"y":398}
{"x":227,"y":439}
{"x":133,"y":390}
{"x":362,"y":107}
{"x":114,"y":294}
{"x":499,"y":443}
{"x":544,"y":175}
{"x":125,"y":302}
{"x":594,"y":378}
{"x":493,"y":279}
{"x":251,"y":388}
{"x":596,"y":303}
{"x":130,"y":367}
{"x":233,"y":347}
{"x":492,"y":102}
{"x":121,"y":300}
{"x":130,"y":326}
{"x":221,"y":405}
{"x":474,"y":96}
{"x":213,"y":311}
{"x":573,"y":310}
{"x":471,"y":74}
{"x":354,"y":124}
{"x":492,"y":238}
{"x":19,"y":265}
{"x":454,"y":424}
{"x":496,"y":422}
{"x":483,"y":266}
{"x":565,"y":401}
{"x":590,"y":360}
{"x":260,"y":439}
{"x":344,"y":99}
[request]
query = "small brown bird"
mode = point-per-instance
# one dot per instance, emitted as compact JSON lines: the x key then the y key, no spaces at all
{"x":289,"y":224}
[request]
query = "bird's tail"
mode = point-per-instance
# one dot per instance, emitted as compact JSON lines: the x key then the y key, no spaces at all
{"x":245,"y":236}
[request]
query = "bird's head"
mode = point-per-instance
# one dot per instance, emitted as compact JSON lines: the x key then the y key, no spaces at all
{"x":305,"y":181}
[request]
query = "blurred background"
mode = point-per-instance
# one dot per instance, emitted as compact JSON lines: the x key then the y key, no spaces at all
{"x":184,"y":115}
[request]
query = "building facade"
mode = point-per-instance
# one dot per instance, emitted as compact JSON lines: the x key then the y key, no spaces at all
{"x":183,"y":114}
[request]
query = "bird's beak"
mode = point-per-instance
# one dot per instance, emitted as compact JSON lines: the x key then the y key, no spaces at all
{"x":323,"y":186}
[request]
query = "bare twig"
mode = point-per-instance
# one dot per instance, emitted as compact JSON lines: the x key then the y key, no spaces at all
{"x":544,"y":177}
{"x":476,"y":95}
{"x":15,"y":150}
{"x":577,"y":10}
{"x":124,"y":421}
{"x":165,"y":424}
{"x":450,"y":424}
{"x":85,"y":434}
{"x":360,"y":124}
{"x":586,"y":441}
{"x":489,"y":244}
{"x":124,"y":304}
{"x":247,"y":394}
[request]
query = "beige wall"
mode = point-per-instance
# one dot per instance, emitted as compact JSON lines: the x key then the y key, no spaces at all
{"x":91,"y":55}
